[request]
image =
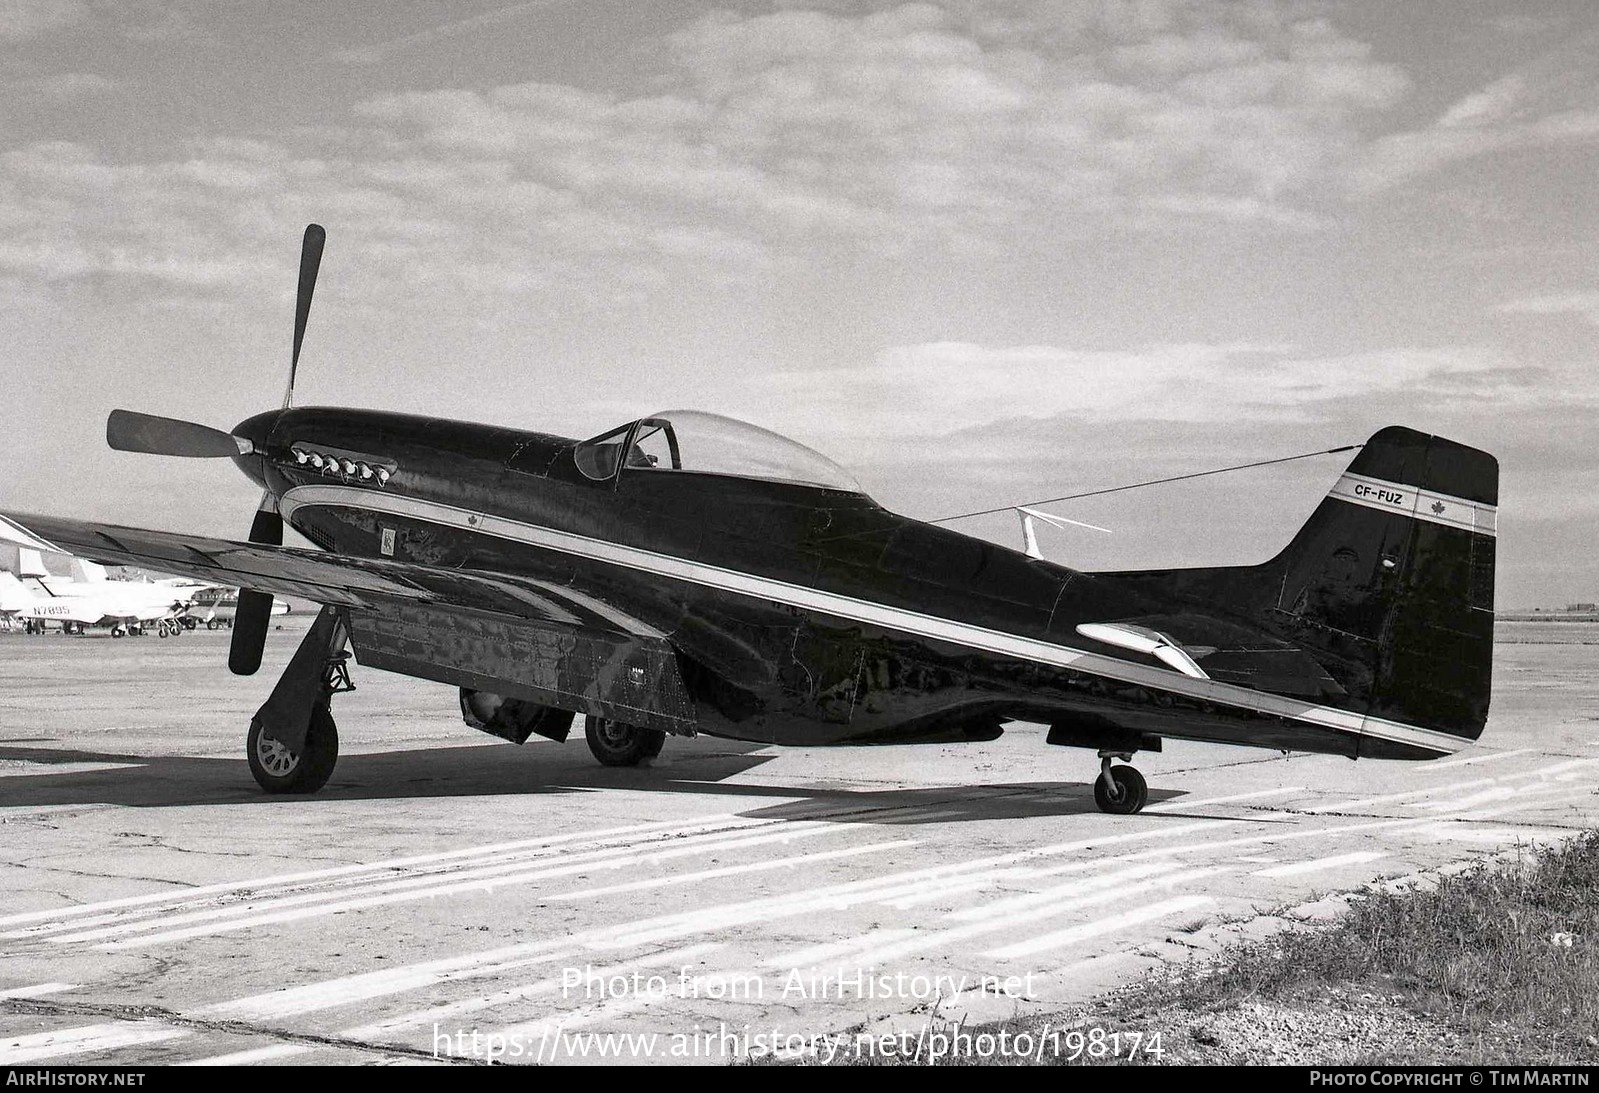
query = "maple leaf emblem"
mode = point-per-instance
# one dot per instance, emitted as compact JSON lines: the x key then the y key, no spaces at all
{"x":1437,"y":507}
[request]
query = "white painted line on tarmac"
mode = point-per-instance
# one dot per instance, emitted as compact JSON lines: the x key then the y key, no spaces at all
{"x":182,"y":909}
{"x":1316,"y":865}
{"x":672,"y":959}
{"x":412,"y":889}
{"x":329,"y":993}
{"x":906,"y":898}
{"x":257,"y":883}
{"x":853,"y":893}
{"x":38,"y":990}
{"x":673,"y":838}
{"x":1527,"y":801}
{"x":85,"y":1040}
{"x":1071,"y":935}
{"x":33,"y":768}
{"x":1559,"y":768}
{"x":1459,"y":804}
{"x":672,"y":928}
{"x":1391,"y":798}
{"x":1268,"y":838}
{"x":1542,"y":773}
{"x":1450,"y":764}
{"x":1498,"y":835}
{"x":735,"y":870}
{"x":1112,"y":892}
{"x":1168,"y":806}
{"x":252,"y":1057}
{"x":832,"y":950}
{"x":1011,"y":905}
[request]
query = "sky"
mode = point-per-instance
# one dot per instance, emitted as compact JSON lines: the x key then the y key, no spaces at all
{"x":979,"y":253}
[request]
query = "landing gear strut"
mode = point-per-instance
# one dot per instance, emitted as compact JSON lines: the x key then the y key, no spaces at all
{"x":293,"y":742}
{"x":1119,"y":790}
{"x":617,"y":745}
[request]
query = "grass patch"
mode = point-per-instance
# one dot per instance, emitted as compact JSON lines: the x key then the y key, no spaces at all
{"x":1496,"y":964}
{"x":1504,"y":956}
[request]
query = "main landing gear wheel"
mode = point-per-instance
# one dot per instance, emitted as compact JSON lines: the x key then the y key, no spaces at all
{"x":617,"y":745}
{"x":293,"y":745}
{"x":279,"y":770}
{"x":1121,"y":791}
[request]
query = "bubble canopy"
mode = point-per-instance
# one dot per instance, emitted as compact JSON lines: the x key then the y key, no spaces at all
{"x":697,"y":442}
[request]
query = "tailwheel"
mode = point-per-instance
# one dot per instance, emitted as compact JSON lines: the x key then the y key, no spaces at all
{"x":277,"y":769}
{"x":1120,"y":790}
{"x":617,"y":745}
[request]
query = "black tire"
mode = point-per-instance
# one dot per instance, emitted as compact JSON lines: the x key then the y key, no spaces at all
{"x":278,"y":770}
{"x":212,"y":624}
{"x":617,"y":745}
{"x":1132,"y":793}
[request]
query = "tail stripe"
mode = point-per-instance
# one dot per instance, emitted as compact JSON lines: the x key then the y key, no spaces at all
{"x":1418,"y":504}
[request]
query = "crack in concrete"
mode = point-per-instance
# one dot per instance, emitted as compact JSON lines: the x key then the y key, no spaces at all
{"x":179,"y":884}
{"x":126,"y":1012}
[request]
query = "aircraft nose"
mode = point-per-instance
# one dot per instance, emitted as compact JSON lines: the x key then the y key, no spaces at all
{"x":256,"y":429}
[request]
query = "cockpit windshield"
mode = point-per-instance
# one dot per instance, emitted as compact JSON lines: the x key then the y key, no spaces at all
{"x":690,"y":440}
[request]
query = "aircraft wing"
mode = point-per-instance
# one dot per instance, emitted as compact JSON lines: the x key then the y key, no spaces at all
{"x":514,"y":635}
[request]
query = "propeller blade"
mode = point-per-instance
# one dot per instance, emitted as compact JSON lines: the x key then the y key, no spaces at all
{"x":127,"y":431}
{"x":310,"y":262}
{"x":254,"y":613}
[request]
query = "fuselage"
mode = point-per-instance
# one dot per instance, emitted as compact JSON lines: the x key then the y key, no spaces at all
{"x":805,"y":614}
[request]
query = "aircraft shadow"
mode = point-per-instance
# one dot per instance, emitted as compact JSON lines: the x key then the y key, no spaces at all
{"x":700,"y":767}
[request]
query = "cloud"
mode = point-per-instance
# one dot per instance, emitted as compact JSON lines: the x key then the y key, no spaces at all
{"x":924,"y":390}
{"x":1584,"y":305}
{"x":1492,"y":104}
{"x":380,"y":51}
{"x":749,"y":140}
{"x":23,"y":19}
{"x":61,"y":86}
{"x":1548,"y":102}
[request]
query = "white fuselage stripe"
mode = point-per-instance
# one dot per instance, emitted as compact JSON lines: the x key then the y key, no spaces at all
{"x":1417,"y":503}
{"x":863,"y":611}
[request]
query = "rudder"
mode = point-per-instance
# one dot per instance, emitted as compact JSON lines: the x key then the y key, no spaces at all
{"x":1396,"y":566}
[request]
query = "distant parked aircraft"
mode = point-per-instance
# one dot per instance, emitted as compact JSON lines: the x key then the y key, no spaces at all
{"x":89,"y":598}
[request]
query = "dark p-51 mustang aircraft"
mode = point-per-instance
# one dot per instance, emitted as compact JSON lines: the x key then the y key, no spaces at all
{"x":687,"y":573}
